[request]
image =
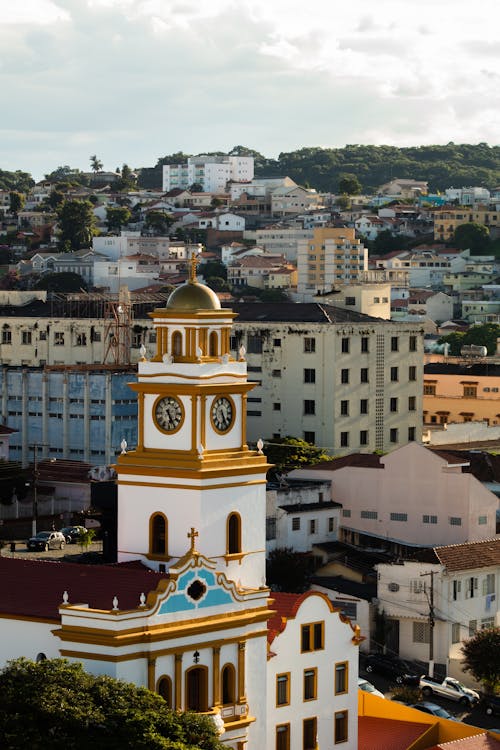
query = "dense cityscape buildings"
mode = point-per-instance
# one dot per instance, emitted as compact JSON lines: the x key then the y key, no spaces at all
{"x":228,"y":315}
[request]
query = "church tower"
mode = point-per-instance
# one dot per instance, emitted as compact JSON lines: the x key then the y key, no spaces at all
{"x":192,"y":468}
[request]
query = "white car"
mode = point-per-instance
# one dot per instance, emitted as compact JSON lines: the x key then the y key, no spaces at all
{"x":367,"y":687}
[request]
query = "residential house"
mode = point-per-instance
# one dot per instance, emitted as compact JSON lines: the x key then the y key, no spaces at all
{"x":446,"y":220}
{"x":254,"y":270}
{"x":403,"y":188}
{"x":299,"y":515}
{"x":134,"y":271}
{"x":463,"y":583}
{"x":293,"y":200}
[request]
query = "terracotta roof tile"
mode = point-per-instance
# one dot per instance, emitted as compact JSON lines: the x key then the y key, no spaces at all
{"x":388,"y":734}
{"x":476,"y":742}
{"x":32,"y":588}
{"x":481,"y":554}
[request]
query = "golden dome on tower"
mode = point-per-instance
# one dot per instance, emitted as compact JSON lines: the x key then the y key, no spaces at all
{"x":193,"y":296}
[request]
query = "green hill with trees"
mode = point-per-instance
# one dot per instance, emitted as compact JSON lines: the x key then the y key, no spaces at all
{"x":450,"y":165}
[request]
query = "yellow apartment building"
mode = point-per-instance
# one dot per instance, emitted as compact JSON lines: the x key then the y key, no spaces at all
{"x":447,"y":220}
{"x":334,"y":255}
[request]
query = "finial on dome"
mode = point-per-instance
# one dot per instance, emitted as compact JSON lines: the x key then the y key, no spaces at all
{"x":192,"y":270}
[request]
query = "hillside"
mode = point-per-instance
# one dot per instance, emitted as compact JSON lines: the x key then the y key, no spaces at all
{"x":452,"y":165}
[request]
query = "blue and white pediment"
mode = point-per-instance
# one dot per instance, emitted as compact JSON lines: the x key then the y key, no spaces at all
{"x":197,"y":586}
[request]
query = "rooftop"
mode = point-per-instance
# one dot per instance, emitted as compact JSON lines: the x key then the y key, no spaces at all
{"x":483,"y":554}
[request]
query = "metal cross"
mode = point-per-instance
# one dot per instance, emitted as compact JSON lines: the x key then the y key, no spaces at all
{"x":192,"y":536}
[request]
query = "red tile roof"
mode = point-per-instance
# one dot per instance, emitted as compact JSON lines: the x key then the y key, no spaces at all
{"x":476,"y":742}
{"x":32,"y":588}
{"x":286,"y":606}
{"x":481,"y":554}
{"x":388,"y":734}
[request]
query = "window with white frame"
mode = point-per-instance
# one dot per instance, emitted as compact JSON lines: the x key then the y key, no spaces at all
{"x":489,"y":584}
{"x":455,"y":632}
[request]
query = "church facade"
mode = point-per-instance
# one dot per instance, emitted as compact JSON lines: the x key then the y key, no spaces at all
{"x":186,"y":611}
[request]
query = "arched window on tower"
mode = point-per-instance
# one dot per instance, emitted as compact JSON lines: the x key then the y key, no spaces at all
{"x":228,"y":684}
{"x":233,"y":541}
{"x":158,"y":535}
{"x":214,"y":344}
{"x":177,"y":344}
{"x":164,"y":688}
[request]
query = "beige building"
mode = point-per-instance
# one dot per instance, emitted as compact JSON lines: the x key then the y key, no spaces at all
{"x":279,"y":240}
{"x":461,"y":391}
{"x":333,"y":256}
{"x":335,"y":377}
{"x":447,"y":220}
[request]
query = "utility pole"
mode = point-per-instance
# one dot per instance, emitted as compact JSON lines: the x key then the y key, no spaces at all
{"x":430,"y":600}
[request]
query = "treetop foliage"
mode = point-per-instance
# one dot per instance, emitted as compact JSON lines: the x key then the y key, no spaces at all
{"x":54,"y":703}
{"x":485,"y":334}
{"x":482,"y":657}
{"x":442,"y":166}
{"x":288,"y":453}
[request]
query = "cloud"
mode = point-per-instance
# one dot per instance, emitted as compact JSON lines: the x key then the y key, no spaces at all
{"x":132,"y":80}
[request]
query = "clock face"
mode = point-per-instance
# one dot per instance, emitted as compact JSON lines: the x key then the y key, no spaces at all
{"x":222,"y":414}
{"x":168,"y":414}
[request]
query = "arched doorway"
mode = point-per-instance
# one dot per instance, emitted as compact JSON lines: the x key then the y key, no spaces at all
{"x":197,"y":689}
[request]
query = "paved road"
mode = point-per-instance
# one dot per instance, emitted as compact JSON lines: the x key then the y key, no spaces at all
{"x":71,"y":552}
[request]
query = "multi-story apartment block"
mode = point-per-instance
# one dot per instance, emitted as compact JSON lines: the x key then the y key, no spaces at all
{"x":446,"y":220}
{"x":332,"y":256}
{"x":334,"y":377}
{"x":280,"y":239}
{"x":211,"y":172}
{"x":358,"y":386}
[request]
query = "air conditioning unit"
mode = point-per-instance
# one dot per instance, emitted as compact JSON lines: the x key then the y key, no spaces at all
{"x":393,"y":587}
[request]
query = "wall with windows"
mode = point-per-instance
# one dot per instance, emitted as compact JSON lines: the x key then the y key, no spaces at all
{"x":315,"y":693}
{"x":331,"y":383}
{"x":414,"y":496}
{"x":461,"y":393}
{"x":78,"y":413}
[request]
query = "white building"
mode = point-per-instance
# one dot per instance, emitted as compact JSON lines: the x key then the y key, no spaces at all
{"x":411,"y":497}
{"x":211,"y":172}
{"x":188,"y":613}
{"x":337,"y":378}
{"x":300,"y":515}
{"x":465,"y":585}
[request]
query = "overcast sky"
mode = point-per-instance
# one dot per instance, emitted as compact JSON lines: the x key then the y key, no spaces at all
{"x":133,"y":80}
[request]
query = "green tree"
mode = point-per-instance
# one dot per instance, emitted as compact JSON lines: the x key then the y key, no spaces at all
{"x":343,"y":202}
{"x":289,"y":453}
{"x":159,"y":221}
{"x":76,"y":224}
{"x":482,"y":657}
{"x":16,"y":202}
{"x":86,"y":538}
{"x":196,"y":187}
{"x":127,"y":179}
{"x":472,"y":236}
{"x":455,"y":341}
{"x":349,"y":184}
{"x":385,"y":242}
{"x":21,"y":181}
{"x":485,"y":334}
{"x":213,"y":268}
{"x":55,"y":703}
{"x":117,"y":217}
{"x":67,"y":281}
{"x":54,"y":200}
{"x":288,"y":571}
{"x":95,"y":164}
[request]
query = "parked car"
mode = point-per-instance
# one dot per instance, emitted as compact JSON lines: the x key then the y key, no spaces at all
{"x":434,"y":709}
{"x":399,"y":670}
{"x":72,"y":533}
{"x":449,"y":688}
{"x":491,"y":705}
{"x":46,"y":540}
{"x":367,"y":687}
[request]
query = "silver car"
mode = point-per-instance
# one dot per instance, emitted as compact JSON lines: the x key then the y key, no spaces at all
{"x":46,"y":540}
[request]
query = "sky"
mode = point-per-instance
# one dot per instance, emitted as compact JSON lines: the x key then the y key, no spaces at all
{"x":134,"y":80}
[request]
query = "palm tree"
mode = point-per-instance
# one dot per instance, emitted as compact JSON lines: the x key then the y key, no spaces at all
{"x":95,"y":164}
